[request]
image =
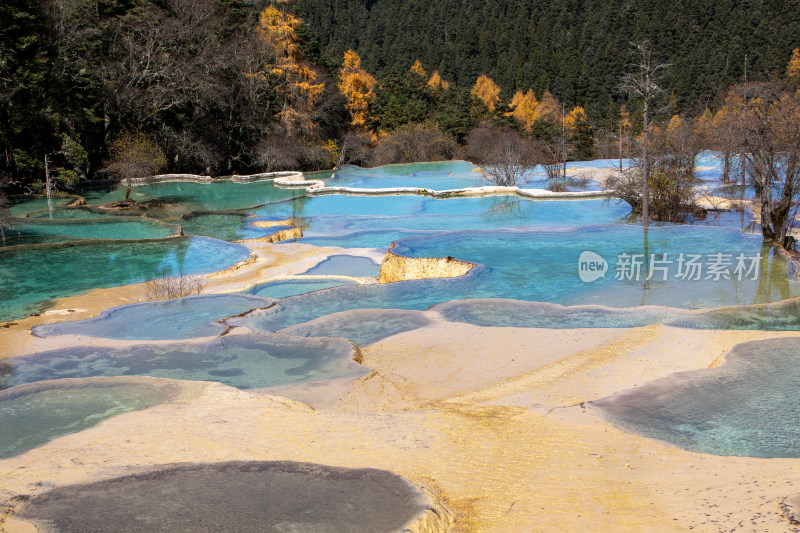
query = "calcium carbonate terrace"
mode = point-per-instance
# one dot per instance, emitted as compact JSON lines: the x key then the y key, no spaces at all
{"x":485,"y":257}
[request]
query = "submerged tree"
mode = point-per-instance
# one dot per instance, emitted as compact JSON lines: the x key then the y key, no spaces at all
{"x":642,"y":83}
{"x":769,"y":135}
{"x":133,"y":155}
{"x":672,"y":150}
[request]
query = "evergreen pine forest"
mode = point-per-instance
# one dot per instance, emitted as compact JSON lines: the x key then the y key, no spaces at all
{"x":227,"y":86}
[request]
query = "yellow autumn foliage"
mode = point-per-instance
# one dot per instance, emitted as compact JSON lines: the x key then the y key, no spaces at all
{"x":523,"y":108}
{"x":357,"y":87}
{"x":416,"y":68}
{"x":486,"y":90}
{"x":549,"y":109}
{"x":793,"y":68}
{"x":436,"y":81}
{"x":278,"y":31}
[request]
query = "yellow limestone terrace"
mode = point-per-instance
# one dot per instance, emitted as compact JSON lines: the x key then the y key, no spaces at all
{"x":399,"y":268}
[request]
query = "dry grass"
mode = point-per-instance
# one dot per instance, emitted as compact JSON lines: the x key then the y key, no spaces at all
{"x":168,"y":287}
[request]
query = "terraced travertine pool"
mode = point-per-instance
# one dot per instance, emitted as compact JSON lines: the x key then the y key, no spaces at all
{"x":528,"y":256}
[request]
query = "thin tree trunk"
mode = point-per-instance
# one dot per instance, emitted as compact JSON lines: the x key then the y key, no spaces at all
{"x":645,"y":170}
{"x":726,"y":167}
{"x":48,"y":184}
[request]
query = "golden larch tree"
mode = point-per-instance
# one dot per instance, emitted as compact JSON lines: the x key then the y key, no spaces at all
{"x":436,"y":81}
{"x":793,"y":68}
{"x":417,"y":69}
{"x":523,"y":108}
{"x":549,"y":108}
{"x":486,"y":90}
{"x":357,"y":85}
{"x":575,"y":118}
{"x":278,"y":30}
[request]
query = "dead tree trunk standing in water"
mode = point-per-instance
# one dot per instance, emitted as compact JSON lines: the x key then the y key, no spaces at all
{"x":765,"y":131}
{"x":642,"y":83}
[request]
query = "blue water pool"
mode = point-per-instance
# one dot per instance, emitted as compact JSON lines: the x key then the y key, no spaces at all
{"x":362,"y":326}
{"x":543,"y":266}
{"x":243,"y":361}
{"x":346,"y":265}
{"x":32,"y":276}
{"x":27,"y":231}
{"x":184,"y":197}
{"x":292,"y":287}
{"x":181,"y":318}
{"x":31,"y":415}
{"x":374,"y":222}
{"x":749,"y":406}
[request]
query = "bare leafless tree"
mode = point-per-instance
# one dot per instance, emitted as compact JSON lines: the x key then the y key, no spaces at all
{"x":168,"y":287}
{"x":641,"y":82}
{"x":503,"y":153}
{"x":279,"y":152}
{"x":6,"y":221}
{"x":672,"y":150}
{"x":769,"y":137}
{"x":423,"y":141}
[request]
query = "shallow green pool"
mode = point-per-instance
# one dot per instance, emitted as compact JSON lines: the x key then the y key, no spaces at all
{"x":34,"y":275}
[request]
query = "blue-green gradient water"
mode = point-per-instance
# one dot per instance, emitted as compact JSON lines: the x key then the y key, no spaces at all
{"x":542,"y":266}
{"x":292,"y":287}
{"x":180,"y":318}
{"x":243,"y":361}
{"x":220,"y":194}
{"x":444,"y":175}
{"x":28,"y":231}
{"x":35,"y":414}
{"x":24,"y":205}
{"x":374,"y":222}
{"x":749,"y":406}
{"x":32,"y":276}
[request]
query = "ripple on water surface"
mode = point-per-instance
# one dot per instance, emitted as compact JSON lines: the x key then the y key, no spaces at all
{"x":749,"y":406}
{"x":31,"y":415}
{"x":235,"y":496}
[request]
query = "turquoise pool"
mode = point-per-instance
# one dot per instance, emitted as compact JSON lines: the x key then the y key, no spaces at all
{"x":34,"y":414}
{"x":242,"y":361}
{"x":746,"y":407}
{"x":34,"y":275}
{"x":181,"y":318}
